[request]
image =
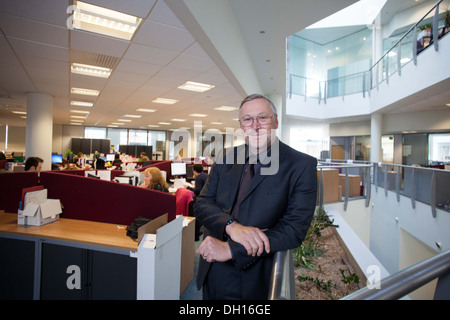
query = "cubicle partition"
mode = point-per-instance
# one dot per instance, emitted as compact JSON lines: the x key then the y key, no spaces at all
{"x":104,"y":201}
{"x":11,"y":185}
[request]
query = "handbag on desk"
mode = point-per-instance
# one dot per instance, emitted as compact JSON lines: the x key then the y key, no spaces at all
{"x":132,"y":229}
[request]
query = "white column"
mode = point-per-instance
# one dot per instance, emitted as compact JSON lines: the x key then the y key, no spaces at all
{"x":376,"y":120}
{"x":277,"y":100}
{"x":39,"y":131}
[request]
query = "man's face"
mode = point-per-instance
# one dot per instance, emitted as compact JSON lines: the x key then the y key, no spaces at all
{"x":258,"y":135}
{"x":39,"y":167}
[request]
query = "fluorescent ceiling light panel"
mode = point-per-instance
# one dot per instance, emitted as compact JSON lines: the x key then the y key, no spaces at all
{"x":178,"y":120}
{"x":199,"y":115}
{"x":132,"y":116}
{"x":165,"y":101}
{"x":124,"y":120}
{"x":19,"y":112}
{"x":196,"y":86}
{"x":80,"y":111}
{"x":146,"y":110}
{"x":76,"y":123}
{"x":225,"y":108}
{"x":118,"y":123}
{"x":86,"y":92}
{"x":89,"y":70}
{"x":81,"y":103}
{"x":104,"y":21}
{"x":165,"y":123}
{"x":78,"y":117}
{"x":153,"y":126}
{"x":217,"y":122}
{"x":76,"y":120}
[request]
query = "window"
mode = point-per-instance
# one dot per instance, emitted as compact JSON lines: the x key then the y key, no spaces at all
{"x":137,"y":137}
{"x":118,"y":137}
{"x":157,"y":139}
{"x":94,"y":133}
{"x":439,"y":147}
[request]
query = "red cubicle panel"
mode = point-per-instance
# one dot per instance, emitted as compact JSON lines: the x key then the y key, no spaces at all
{"x":11,"y":185}
{"x":105,"y":201}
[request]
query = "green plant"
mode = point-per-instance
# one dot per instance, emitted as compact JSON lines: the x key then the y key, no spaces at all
{"x":321,"y":284}
{"x":66,"y":154}
{"x":348,"y":280}
{"x":304,"y":254}
{"x":425,"y":26}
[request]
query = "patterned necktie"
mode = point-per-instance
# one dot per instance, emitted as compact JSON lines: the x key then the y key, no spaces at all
{"x":247,"y":177}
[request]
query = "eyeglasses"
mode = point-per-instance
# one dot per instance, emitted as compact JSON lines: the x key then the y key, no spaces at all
{"x":248,"y":121}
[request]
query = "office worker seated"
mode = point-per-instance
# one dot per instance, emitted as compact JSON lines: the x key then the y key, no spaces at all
{"x":200,"y":179}
{"x":143,"y":156}
{"x":154,"y":180}
{"x":33,"y":164}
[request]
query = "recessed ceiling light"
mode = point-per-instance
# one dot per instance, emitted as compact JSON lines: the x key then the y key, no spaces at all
{"x":225,"y":108}
{"x":448,"y":104}
{"x":200,"y":115}
{"x":112,"y":126}
{"x":146,"y":110}
{"x":196,"y":86}
{"x":153,"y":126}
{"x":124,"y":120}
{"x":165,"y":123}
{"x":178,"y":120}
{"x":132,"y":116}
{"x":104,"y":21}
{"x":165,"y":101}
{"x":76,"y":120}
{"x":19,"y":112}
{"x":216,"y":122}
{"x":86,"y":92}
{"x":78,"y":117}
{"x":81,"y":103}
{"x":118,"y":123}
{"x":76,"y":123}
{"x":89,"y":70}
{"x":80,"y":111}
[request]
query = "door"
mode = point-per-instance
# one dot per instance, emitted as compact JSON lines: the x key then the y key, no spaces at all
{"x":337,"y":152}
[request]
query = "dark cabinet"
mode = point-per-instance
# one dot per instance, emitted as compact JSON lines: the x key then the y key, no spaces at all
{"x":101,"y":275}
{"x":88,"y":146}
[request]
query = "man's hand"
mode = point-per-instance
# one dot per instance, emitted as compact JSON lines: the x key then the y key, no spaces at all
{"x":213,"y":249}
{"x":253,"y":239}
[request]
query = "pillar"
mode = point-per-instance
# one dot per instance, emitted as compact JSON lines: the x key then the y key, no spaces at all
{"x":39,"y":131}
{"x":376,"y":120}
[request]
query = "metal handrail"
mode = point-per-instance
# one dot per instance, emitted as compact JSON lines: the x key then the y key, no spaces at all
{"x":282,"y":280}
{"x":405,"y":281}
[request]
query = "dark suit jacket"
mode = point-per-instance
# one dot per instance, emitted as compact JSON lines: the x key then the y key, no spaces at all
{"x":283,"y":203}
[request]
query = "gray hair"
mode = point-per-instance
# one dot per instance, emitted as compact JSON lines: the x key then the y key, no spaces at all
{"x":254,"y":97}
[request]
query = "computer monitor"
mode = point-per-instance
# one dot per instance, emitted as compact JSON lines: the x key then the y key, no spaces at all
{"x":110,"y":157}
{"x":178,"y":168}
{"x":57,"y":158}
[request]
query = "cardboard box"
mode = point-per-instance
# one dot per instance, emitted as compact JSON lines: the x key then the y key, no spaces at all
{"x":38,"y":210}
{"x":159,"y":259}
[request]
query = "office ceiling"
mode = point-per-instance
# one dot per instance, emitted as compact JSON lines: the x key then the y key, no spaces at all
{"x":37,"y":47}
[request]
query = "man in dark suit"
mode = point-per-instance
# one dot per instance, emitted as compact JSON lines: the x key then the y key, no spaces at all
{"x":259,"y":199}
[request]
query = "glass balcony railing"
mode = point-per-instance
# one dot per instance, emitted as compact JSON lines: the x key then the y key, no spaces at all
{"x":418,"y":38}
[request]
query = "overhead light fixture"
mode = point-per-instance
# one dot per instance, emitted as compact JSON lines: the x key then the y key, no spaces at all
{"x":217,"y":123}
{"x":86,"y":92}
{"x":78,"y":117}
{"x":124,"y":120}
{"x":199,"y":115}
{"x":132,"y":116}
{"x":196,"y":86}
{"x":79,"y":111}
{"x":76,"y":123}
{"x":165,"y":123}
{"x":89,"y":70}
{"x":104,"y":21}
{"x":165,"y":101}
{"x":153,"y":126}
{"x":81,"y":103}
{"x":118,"y":123}
{"x":146,"y":110}
{"x":19,"y":112}
{"x":178,"y":120}
{"x":225,"y":108}
{"x":76,"y":120}
{"x":448,"y":104}
{"x":112,"y":126}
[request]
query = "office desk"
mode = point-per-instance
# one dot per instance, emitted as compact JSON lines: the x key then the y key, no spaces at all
{"x":35,"y":261}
